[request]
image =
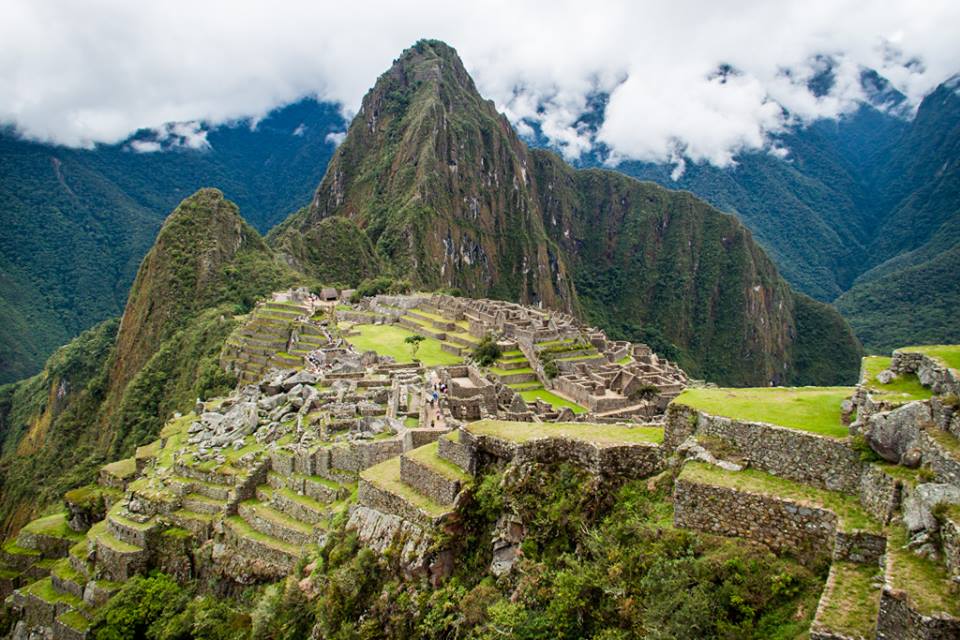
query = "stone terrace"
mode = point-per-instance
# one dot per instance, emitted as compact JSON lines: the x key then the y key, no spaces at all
{"x":814,"y":489}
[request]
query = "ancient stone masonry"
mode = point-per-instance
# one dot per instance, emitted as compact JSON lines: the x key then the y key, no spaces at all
{"x":818,"y":460}
{"x":610,"y":380}
{"x":930,"y":371}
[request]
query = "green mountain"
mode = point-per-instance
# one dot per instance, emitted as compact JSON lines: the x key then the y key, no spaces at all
{"x":913,"y":290}
{"x":111,"y":388}
{"x":862,"y":212}
{"x":442,"y":187}
{"x":76,"y":222}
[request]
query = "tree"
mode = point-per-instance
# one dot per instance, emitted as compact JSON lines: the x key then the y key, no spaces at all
{"x":487,"y":351}
{"x":414,"y":342}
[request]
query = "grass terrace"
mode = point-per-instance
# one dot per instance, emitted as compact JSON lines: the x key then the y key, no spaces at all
{"x":388,"y":340}
{"x":948,"y":354}
{"x":901,"y":389}
{"x":811,"y":409}
{"x":386,"y":476}
{"x":926,"y":582}
{"x":852,"y":602}
{"x":553,"y":399}
{"x":847,"y":507}
{"x":428,"y":456}
{"x":44,"y":590}
{"x":595,"y":433}
{"x":54,"y":526}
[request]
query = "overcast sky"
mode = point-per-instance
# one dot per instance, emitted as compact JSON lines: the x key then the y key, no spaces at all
{"x":78,"y":73}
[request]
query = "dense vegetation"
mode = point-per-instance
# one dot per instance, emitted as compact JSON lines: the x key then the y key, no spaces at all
{"x":864,"y":208}
{"x":76,"y":223}
{"x":113,"y":387}
{"x":594,"y":564}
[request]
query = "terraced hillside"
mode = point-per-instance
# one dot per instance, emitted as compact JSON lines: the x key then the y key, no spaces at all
{"x":349,"y":448}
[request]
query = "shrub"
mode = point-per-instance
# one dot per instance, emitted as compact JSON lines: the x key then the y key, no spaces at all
{"x":861,"y":446}
{"x":550,"y":367}
{"x":645,"y":392}
{"x":380,"y":285}
{"x":487,"y":351}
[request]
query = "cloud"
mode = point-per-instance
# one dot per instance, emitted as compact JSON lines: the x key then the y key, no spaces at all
{"x":700,"y":80}
{"x":336,"y":137}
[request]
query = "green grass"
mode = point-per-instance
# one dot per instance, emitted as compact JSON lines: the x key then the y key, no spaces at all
{"x":64,"y":571}
{"x":269,"y":513}
{"x":903,"y":388}
{"x":428,"y":456}
{"x":44,"y":590}
{"x":12,"y":548}
{"x":74,"y":619}
{"x":509,"y":372}
{"x":122,"y":468}
{"x":551,"y":398}
{"x":853,"y":602}
{"x":812,"y":409}
{"x":596,"y":433}
{"x":411,"y":423}
{"x":946,"y":440}
{"x":948,"y":354}
{"x":386,"y":476}
{"x":925,"y":581}
{"x":525,"y":386}
{"x":388,"y":340}
{"x":625,"y":360}
{"x":431,"y":315}
{"x":104,"y":537}
{"x":850,"y":514}
{"x":244,"y":530}
{"x":54,"y":526}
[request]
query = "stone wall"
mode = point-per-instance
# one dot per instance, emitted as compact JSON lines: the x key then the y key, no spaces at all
{"x":950,"y":542}
{"x":436,"y":486}
{"x":781,"y":525}
{"x":816,"y":460}
{"x":372,"y":496}
{"x":931,"y":373}
{"x":898,"y":620}
{"x":938,"y":458}
{"x":633,"y":460}
{"x":458,"y":453}
{"x":879,"y":493}
{"x":861,"y":547}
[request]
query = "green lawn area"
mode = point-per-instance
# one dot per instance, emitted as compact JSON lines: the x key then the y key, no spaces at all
{"x":925,"y":581}
{"x":388,"y":340}
{"x":508,"y":372}
{"x":428,"y":455}
{"x":386,"y":475}
{"x":813,"y":409}
{"x":852,"y":604}
{"x":905,"y":388}
{"x":596,"y":433}
{"x":948,"y":354}
{"x":552,"y":398}
{"x":54,"y":526}
{"x":847,"y":507}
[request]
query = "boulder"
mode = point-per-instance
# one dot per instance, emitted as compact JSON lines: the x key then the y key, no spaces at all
{"x":269,"y":403}
{"x":886,"y":376}
{"x":919,"y":504}
{"x":299,"y":378}
{"x":892,"y":433}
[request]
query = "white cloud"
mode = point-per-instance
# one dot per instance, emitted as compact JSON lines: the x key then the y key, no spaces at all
{"x":300,"y":130}
{"x":80,"y":73}
{"x":145,"y":146}
{"x":336,"y":137}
